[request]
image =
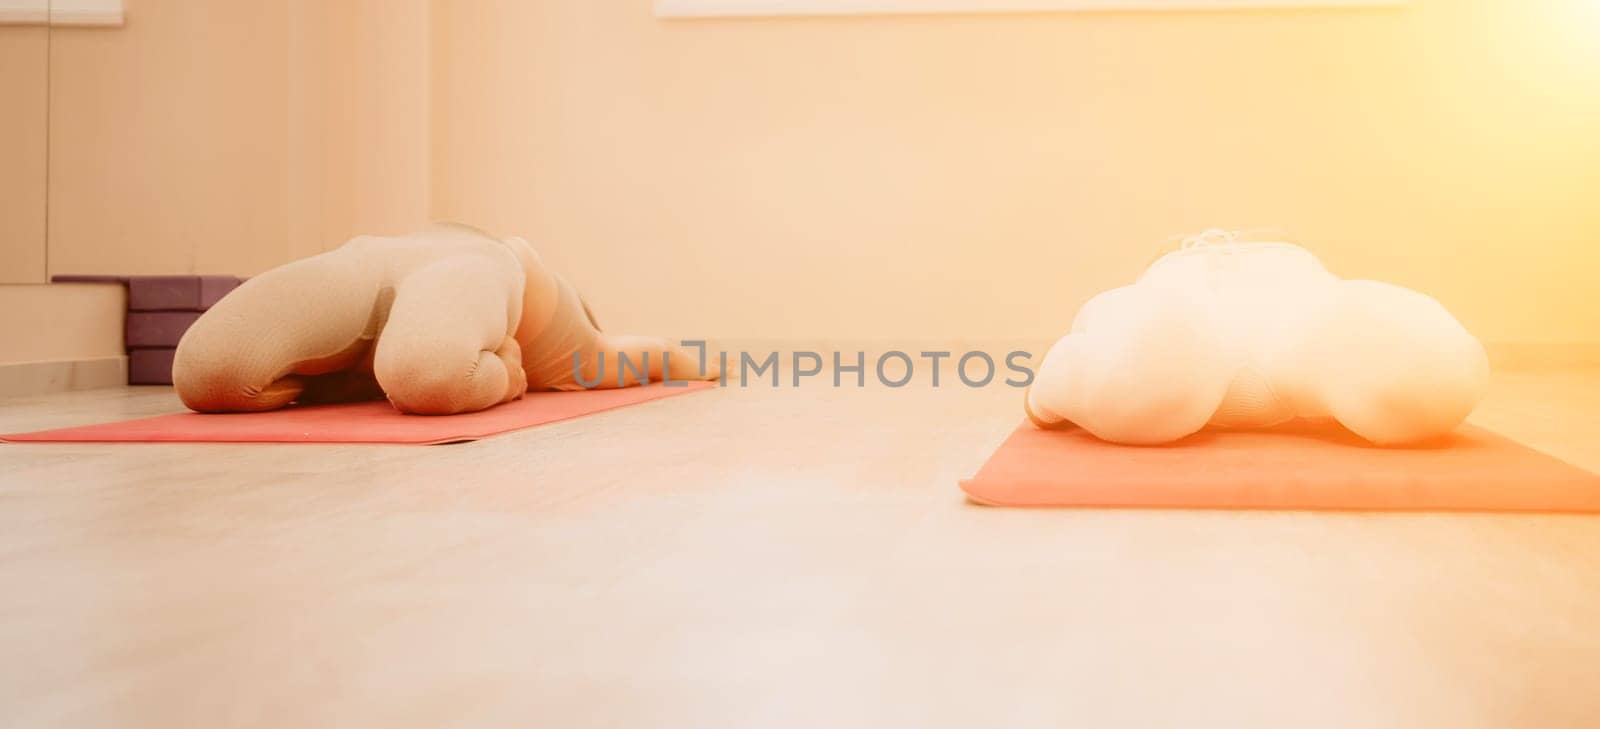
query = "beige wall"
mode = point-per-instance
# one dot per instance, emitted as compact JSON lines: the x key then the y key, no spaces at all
{"x":378,"y":115}
{"x":224,"y":136}
{"x":24,"y":52}
{"x":60,"y":322}
{"x":980,"y":176}
{"x":925,"y":178}
{"x":229,"y":136}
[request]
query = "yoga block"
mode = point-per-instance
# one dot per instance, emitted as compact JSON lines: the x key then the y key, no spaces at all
{"x":160,"y":310}
{"x":177,"y":293}
{"x":158,"y":328}
{"x":150,"y":366}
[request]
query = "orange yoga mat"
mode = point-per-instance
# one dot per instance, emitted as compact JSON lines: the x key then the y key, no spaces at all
{"x":363,"y":422}
{"x":1302,"y":465}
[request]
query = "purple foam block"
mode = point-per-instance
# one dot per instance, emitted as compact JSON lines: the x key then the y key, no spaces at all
{"x":213,"y":288}
{"x":177,"y":293}
{"x":150,"y":366}
{"x":158,"y":328}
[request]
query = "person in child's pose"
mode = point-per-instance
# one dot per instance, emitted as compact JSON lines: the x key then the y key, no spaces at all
{"x":445,"y":320}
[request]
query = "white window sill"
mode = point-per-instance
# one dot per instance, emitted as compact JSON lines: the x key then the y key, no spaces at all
{"x":95,"y":13}
{"x":737,"y":8}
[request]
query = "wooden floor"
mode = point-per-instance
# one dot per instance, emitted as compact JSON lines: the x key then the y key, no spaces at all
{"x":759,"y":558}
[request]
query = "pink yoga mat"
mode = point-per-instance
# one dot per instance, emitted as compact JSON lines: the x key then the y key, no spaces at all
{"x":1302,"y":465}
{"x":364,"y":422}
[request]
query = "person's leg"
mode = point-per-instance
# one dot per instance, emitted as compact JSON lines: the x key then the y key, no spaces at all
{"x":642,"y":355}
{"x":253,"y":350}
{"x":447,"y":346}
{"x":1150,"y":374}
{"x":568,"y":352}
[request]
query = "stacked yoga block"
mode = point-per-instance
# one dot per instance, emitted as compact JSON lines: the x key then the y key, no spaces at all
{"x":160,"y":310}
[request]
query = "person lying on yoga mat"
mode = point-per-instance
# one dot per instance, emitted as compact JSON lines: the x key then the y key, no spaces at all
{"x":1232,"y":334}
{"x":445,"y":320}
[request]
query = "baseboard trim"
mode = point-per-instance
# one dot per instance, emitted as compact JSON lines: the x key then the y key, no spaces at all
{"x":21,"y":379}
